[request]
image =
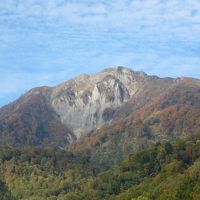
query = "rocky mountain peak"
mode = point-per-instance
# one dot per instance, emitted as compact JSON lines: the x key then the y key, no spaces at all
{"x":78,"y":106}
{"x":83,"y":102}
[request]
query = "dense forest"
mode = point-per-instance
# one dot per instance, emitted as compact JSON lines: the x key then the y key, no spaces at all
{"x":163,"y":171}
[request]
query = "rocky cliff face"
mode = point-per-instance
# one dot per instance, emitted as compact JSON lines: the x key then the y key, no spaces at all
{"x":89,"y":101}
{"x":61,"y":114}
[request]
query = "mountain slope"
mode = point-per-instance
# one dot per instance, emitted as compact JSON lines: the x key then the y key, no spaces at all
{"x":175,"y":113}
{"x":59,"y":115}
{"x":31,"y":121}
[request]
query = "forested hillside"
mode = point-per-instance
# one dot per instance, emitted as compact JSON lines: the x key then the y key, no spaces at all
{"x":167,"y":171}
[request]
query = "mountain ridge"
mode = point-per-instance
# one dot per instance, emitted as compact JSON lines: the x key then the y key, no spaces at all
{"x":62,"y":114}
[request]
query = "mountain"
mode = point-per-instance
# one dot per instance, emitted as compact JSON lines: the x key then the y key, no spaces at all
{"x":84,"y":105}
{"x":117,"y":134}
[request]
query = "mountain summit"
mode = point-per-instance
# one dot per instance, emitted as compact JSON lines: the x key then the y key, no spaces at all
{"x":62,"y":114}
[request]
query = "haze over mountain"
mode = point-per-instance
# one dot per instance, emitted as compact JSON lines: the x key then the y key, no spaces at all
{"x":60,"y":115}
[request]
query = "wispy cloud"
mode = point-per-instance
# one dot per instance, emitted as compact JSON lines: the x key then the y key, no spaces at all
{"x":45,"y":42}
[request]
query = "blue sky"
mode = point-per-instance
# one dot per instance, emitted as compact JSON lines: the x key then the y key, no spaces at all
{"x":43,"y":42}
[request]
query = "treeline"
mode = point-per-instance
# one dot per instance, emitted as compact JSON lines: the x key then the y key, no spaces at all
{"x":164,"y":171}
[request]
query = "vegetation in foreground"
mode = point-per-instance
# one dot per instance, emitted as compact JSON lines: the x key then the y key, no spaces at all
{"x":167,"y":171}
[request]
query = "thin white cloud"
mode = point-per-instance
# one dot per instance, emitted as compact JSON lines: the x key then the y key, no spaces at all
{"x":44,"y":38}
